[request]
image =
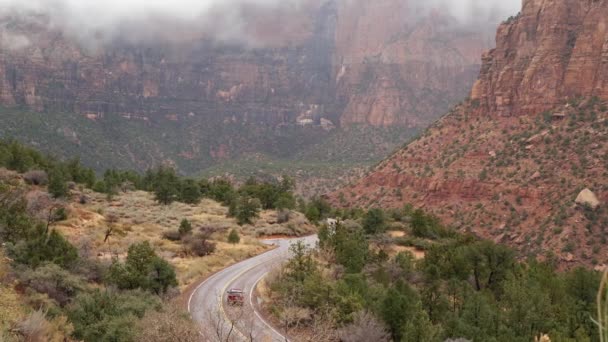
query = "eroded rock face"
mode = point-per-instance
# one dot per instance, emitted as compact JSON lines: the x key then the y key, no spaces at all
{"x":552,"y":51}
{"x":349,"y":61}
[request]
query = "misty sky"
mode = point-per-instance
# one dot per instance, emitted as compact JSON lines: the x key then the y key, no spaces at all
{"x":110,"y":17}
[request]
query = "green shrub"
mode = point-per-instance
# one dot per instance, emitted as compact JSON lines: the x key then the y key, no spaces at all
{"x":57,"y":184}
{"x":190,"y":192}
{"x":54,"y":281}
{"x":109,"y":316}
{"x":143,"y":269}
{"x":185,"y":228}
{"x":44,"y":247}
{"x":374,"y":222}
{"x":234,"y":237}
{"x":247,"y":209}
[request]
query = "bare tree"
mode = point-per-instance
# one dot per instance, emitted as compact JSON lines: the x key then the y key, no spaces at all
{"x":365,"y":327}
{"x":233,"y":324}
{"x":51,"y":218}
{"x":169,"y":325}
{"x":112,"y":220}
{"x":323,"y":328}
{"x":291,"y":316}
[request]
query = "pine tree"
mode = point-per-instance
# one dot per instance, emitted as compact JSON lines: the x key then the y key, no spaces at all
{"x":374,"y":222}
{"x":247,"y":210}
{"x":57,"y":184}
{"x":190,"y":192}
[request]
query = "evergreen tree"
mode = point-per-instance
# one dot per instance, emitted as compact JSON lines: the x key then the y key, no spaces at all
{"x":57,"y":184}
{"x":374,"y":222}
{"x":247,"y":210}
{"x":222,"y":191}
{"x":313,"y":214}
{"x":142,"y":269}
{"x":44,"y":246}
{"x":190,"y":192}
{"x":285,"y":201}
{"x":399,"y":306}
{"x":165,"y":193}
{"x":351,"y":248}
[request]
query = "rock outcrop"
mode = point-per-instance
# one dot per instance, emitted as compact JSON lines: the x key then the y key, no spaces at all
{"x":588,"y":199}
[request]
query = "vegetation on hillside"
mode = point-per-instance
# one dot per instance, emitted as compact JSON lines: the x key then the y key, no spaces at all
{"x":463,"y":288}
{"x":512,"y":179}
{"x":316,"y":157}
{"x":67,"y":287}
{"x":74,"y":295}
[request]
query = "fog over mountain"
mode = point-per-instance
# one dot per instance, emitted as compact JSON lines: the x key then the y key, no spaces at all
{"x":95,"y":21}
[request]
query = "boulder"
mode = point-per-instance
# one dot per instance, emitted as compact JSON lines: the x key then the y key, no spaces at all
{"x":537,"y":175}
{"x":588,"y":198}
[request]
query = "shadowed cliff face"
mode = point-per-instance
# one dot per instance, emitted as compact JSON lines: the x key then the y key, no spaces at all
{"x":510,"y":163}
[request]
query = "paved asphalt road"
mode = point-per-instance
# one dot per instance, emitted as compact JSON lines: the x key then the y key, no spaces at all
{"x":208,"y":307}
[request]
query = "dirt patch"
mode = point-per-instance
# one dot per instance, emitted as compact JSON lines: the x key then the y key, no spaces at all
{"x":417,"y":253}
{"x":396,"y":234}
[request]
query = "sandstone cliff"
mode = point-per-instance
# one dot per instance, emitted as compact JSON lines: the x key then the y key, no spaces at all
{"x":552,"y":51}
{"x":510,"y":163}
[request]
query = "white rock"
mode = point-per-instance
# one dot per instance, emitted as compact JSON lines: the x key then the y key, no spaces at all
{"x":587,"y":197}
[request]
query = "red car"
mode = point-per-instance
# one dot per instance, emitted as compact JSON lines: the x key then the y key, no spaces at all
{"x":235,"y":297}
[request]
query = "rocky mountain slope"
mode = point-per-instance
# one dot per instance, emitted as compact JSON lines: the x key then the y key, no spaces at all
{"x":314,"y":67}
{"x":512,"y":163}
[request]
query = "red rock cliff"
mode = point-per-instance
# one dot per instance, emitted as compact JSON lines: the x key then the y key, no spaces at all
{"x":552,"y":51}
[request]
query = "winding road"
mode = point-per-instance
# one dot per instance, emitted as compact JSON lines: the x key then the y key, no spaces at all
{"x":208,"y":307}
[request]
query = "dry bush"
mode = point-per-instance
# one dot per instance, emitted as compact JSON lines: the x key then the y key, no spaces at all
{"x":172,"y":235}
{"x":283,"y":216}
{"x":365,"y":327}
{"x":38,"y":203}
{"x":50,"y":279}
{"x":36,"y":177}
{"x":169,"y":325}
{"x":199,"y":245}
{"x":36,"y":328}
{"x":294,"y":316}
{"x":8,"y":176}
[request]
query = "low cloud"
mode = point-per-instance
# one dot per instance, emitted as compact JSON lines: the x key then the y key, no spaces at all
{"x":473,"y":11}
{"x":14,"y":42}
{"x":95,"y":21}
